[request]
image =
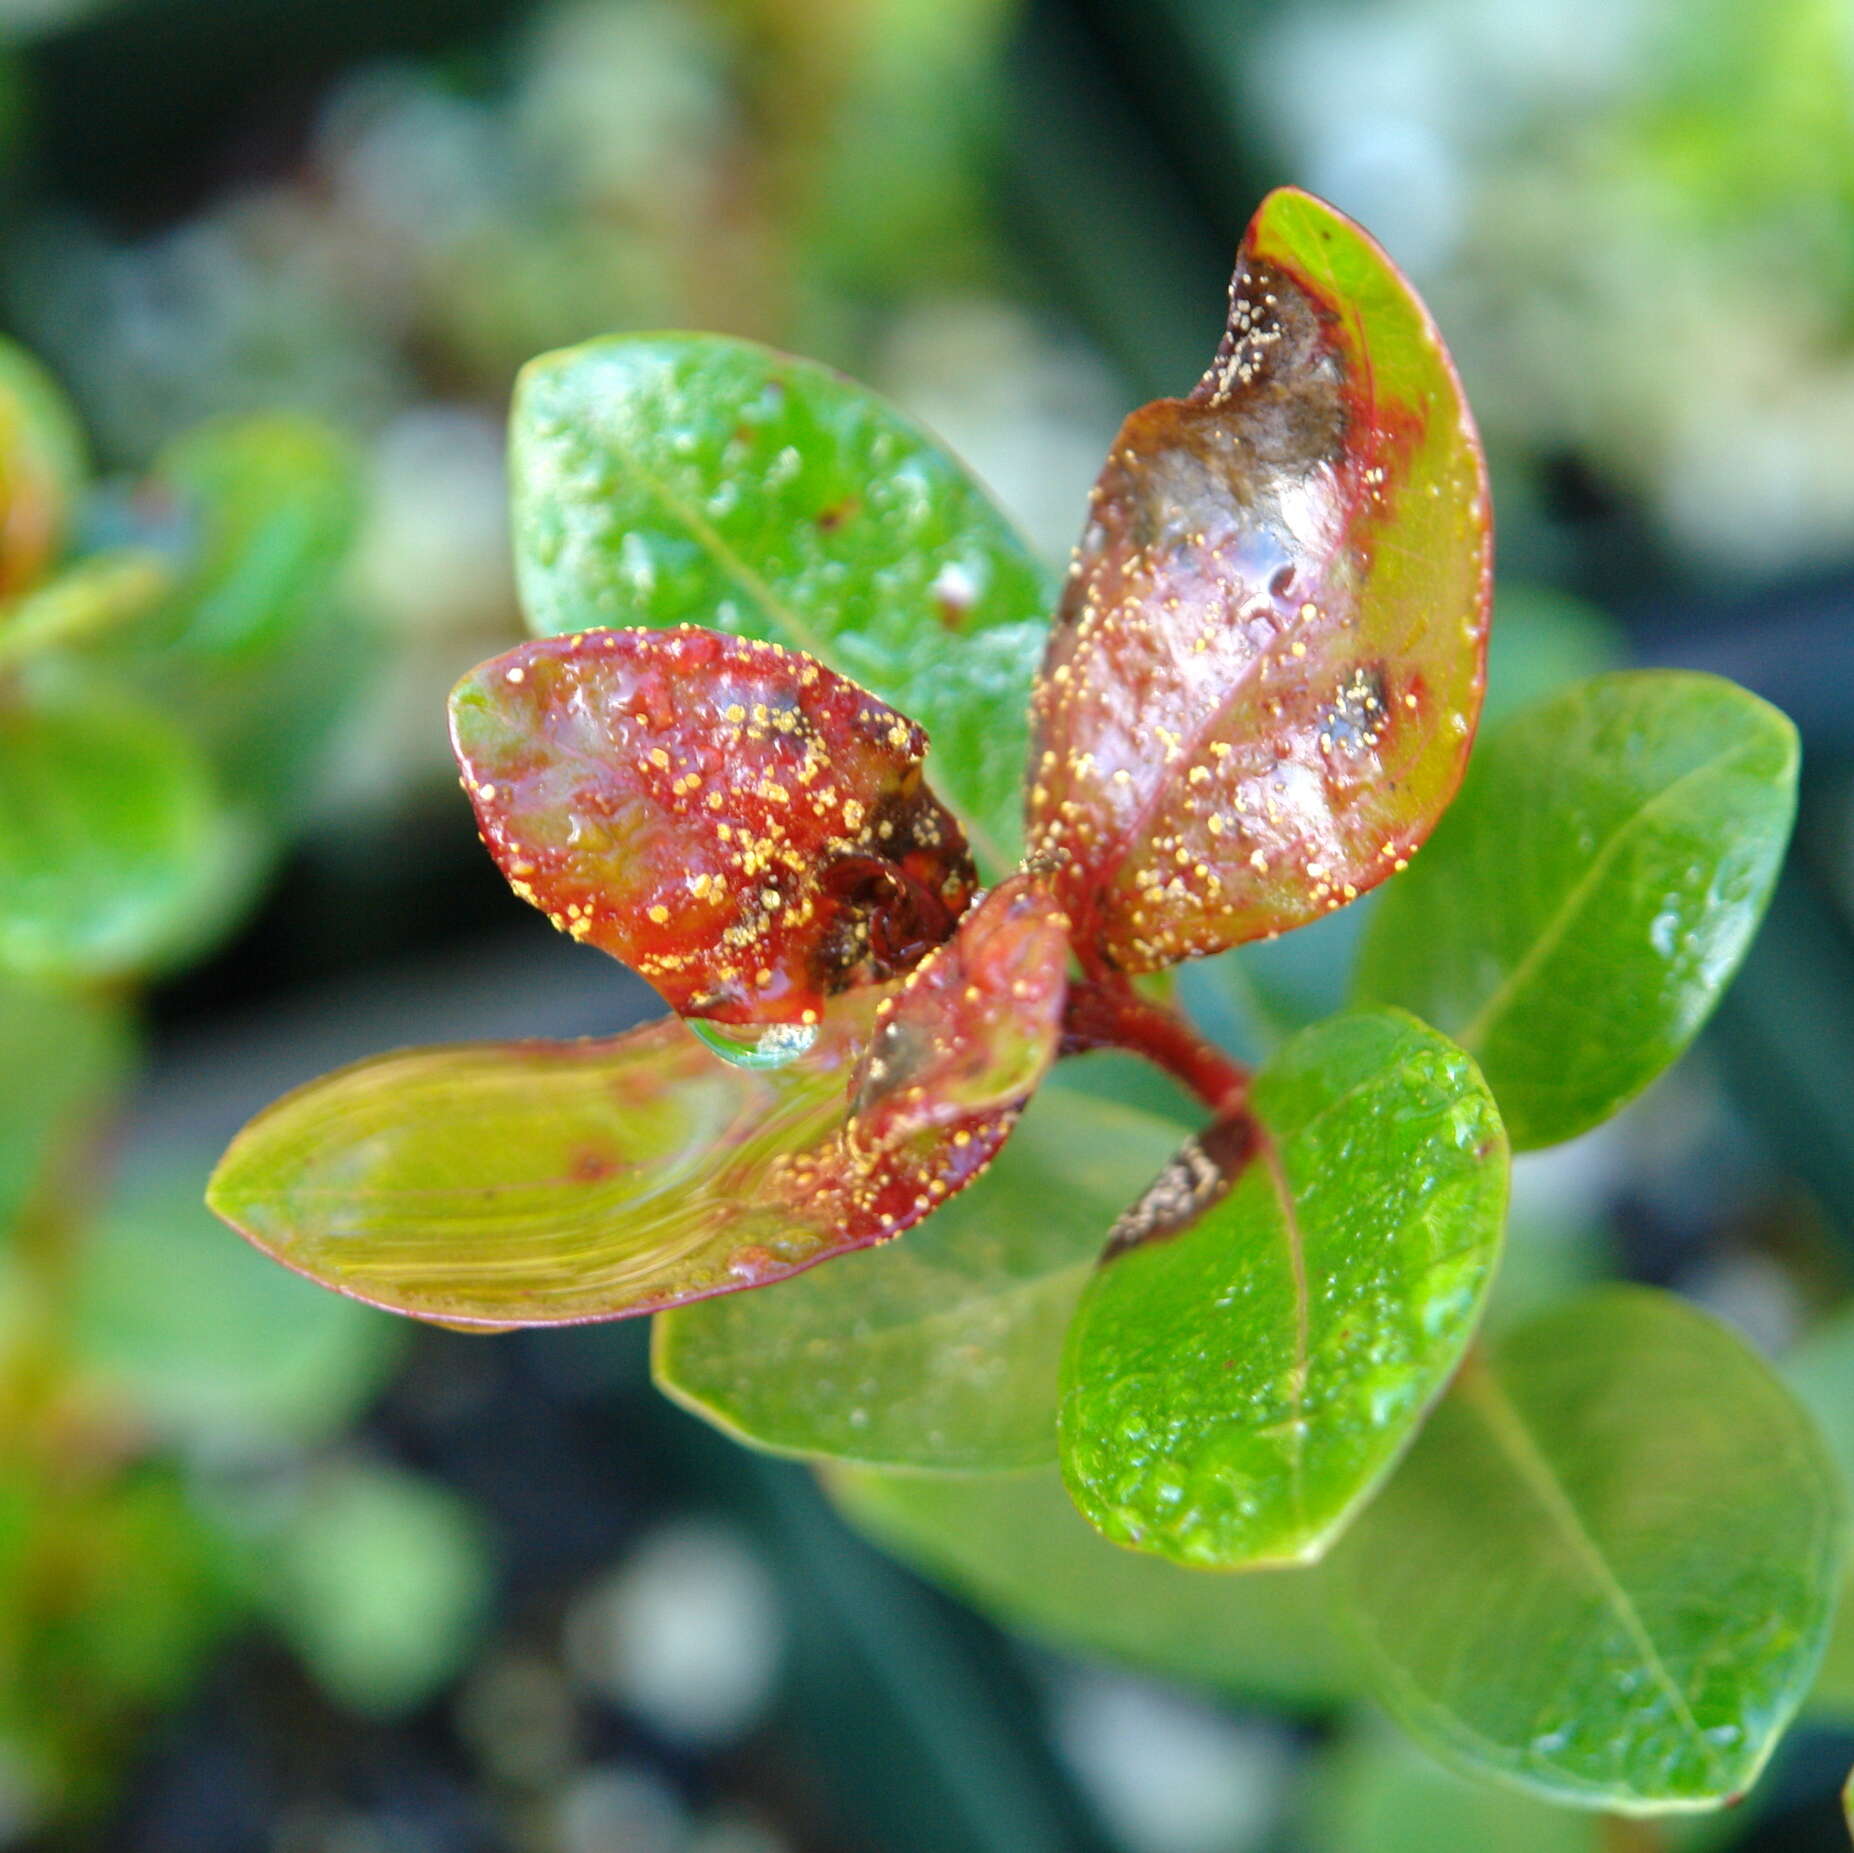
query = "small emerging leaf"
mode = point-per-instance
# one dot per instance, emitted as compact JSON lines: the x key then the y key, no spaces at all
{"x":744,"y":828}
{"x":1606,"y":1570}
{"x":1012,"y":1543}
{"x":1275,"y":1316}
{"x":669,"y":479}
{"x":1586,"y":902}
{"x":41,"y":469}
{"x":941,"y":1351}
{"x":1269,"y":656}
{"x":552,"y":1183}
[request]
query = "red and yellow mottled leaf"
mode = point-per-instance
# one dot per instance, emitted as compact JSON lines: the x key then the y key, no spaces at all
{"x":746,"y":828}
{"x":1268,"y":661}
{"x":510,"y":1184}
{"x":972,"y":1029}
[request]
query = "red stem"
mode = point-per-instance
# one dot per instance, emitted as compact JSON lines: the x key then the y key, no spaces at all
{"x":1110,"y":1014}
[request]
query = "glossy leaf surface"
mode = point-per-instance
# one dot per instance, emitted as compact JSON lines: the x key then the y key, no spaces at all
{"x":1013,"y":1544}
{"x":550,"y":1183}
{"x":1588,"y":899}
{"x":940,"y":1351}
{"x":745,"y":829}
{"x":1607,"y":1568}
{"x":1275,"y":1316}
{"x":1268,"y":660}
{"x":669,"y":479}
{"x":41,"y":469}
{"x":108,"y":833}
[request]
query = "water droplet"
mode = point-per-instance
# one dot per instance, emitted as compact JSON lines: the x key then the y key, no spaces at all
{"x":771,"y":1045}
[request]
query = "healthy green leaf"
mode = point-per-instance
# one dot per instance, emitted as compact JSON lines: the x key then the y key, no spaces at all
{"x":940,"y":1351}
{"x":1270,"y":651}
{"x":669,"y":479}
{"x":1607,"y":1568}
{"x":381,"y":1582}
{"x":42,"y":469}
{"x":1013,"y":1544}
{"x":62,"y":1055}
{"x":497,"y":1185}
{"x":109,"y":833}
{"x":206,"y":1341}
{"x":1821,"y":1372}
{"x":1588,"y":898}
{"x":1273,"y":1319}
{"x":745,"y":829}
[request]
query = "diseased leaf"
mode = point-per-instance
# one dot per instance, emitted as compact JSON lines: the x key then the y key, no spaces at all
{"x":1269,"y":656}
{"x":1013,"y":1544}
{"x":669,"y":479}
{"x":551,"y":1183}
{"x":1274,"y":1317}
{"x":109,"y":836}
{"x":972,"y":1029}
{"x":41,"y":469}
{"x":1586,"y":902}
{"x":1607,"y":1568}
{"x":940,"y":1351}
{"x":746,"y":829}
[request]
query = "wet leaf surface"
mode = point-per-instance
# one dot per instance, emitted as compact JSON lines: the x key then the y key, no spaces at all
{"x":550,"y":1183}
{"x":670,"y":479}
{"x":1277,"y":1314}
{"x":744,"y":828}
{"x":1586,"y":902}
{"x":1268,"y":660}
{"x":1607,"y":1568}
{"x":940,"y":1351}
{"x":1013,"y":1544}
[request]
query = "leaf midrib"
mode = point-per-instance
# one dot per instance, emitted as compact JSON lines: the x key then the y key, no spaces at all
{"x":1473,"y":1035}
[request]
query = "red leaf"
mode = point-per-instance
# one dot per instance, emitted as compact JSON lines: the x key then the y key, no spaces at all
{"x":747,"y":829}
{"x":973,"y":1028}
{"x":1268,"y":661}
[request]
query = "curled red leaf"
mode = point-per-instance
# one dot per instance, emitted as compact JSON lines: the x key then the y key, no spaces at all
{"x":747,"y":829}
{"x":1268,"y":661}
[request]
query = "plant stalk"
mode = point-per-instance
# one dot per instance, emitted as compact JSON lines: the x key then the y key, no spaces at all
{"x":1110,"y":1014}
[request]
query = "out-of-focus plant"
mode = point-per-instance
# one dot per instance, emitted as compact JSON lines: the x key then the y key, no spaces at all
{"x":1593,"y":1551}
{"x":175,"y":655}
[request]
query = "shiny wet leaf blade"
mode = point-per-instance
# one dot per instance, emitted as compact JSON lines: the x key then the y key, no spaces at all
{"x":1269,"y":656}
{"x":552,"y":1183}
{"x":669,"y":479}
{"x":743,"y":827}
{"x":1588,"y":899}
{"x":1608,"y":1566}
{"x":940,"y":1351}
{"x":1273,"y":1319}
{"x":1014,"y":1545}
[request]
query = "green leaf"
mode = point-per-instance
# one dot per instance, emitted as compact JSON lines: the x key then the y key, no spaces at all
{"x":939,"y":1351}
{"x":62,"y":1056}
{"x":1270,"y":652}
{"x":1277,"y":1314}
{"x":669,"y":479}
{"x":381,"y":1582}
{"x":745,"y":829}
{"x":208,"y":1342}
{"x":42,"y":468}
{"x":505,"y":1184}
{"x":274,"y":505}
{"x":109,"y":833}
{"x":1607,"y":1568}
{"x":1014,"y":1545}
{"x":1821,"y":1372}
{"x":1588,"y":898}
